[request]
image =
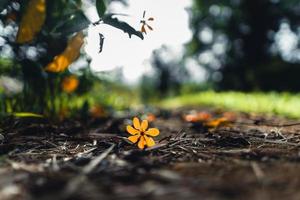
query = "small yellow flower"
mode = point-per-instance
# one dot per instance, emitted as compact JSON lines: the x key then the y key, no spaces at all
{"x":140,"y":134}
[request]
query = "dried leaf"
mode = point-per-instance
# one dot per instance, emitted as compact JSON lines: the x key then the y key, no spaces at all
{"x":70,"y":54}
{"x":32,"y":21}
{"x":198,"y":117}
{"x":215,"y":123}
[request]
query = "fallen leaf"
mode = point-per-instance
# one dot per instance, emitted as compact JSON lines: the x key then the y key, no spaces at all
{"x":70,"y":54}
{"x":215,"y":123}
{"x":198,"y":117}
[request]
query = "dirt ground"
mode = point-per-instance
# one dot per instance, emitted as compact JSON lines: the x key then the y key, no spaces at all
{"x":256,"y":157}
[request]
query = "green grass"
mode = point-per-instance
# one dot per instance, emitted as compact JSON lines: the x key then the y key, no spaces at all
{"x":283,"y":104}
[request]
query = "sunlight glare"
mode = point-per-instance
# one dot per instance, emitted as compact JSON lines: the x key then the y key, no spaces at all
{"x":171,"y":28}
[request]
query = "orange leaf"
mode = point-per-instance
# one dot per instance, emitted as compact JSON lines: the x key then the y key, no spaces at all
{"x":190,"y":118}
{"x":71,"y":53}
{"x":217,"y":122}
{"x":198,"y":117}
{"x":32,"y":21}
{"x":203,"y":116}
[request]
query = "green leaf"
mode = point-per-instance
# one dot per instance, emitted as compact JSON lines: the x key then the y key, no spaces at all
{"x":75,"y":23}
{"x":27,"y":114}
{"x":101,"y":7}
{"x":113,"y":21}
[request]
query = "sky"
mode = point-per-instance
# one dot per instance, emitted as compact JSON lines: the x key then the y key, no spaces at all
{"x":171,"y":29}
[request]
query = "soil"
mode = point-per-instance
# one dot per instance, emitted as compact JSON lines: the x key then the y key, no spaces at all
{"x":254,"y":157}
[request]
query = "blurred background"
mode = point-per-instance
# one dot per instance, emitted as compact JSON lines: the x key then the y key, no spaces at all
{"x":196,"y":50}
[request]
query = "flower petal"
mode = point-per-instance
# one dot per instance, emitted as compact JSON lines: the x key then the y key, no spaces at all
{"x":134,"y":138}
{"x":132,"y":130}
{"x":143,"y":30}
{"x":144,"y":125}
{"x":152,"y":132}
{"x":136,"y":123}
{"x":149,"y":141}
{"x":142,"y":142}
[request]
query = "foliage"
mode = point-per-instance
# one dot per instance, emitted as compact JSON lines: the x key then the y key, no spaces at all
{"x":113,"y":21}
{"x":236,"y":43}
{"x":49,"y":38}
{"x":61,"y":62}
{"x":101,"y":7}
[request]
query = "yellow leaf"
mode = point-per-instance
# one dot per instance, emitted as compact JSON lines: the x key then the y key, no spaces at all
{"x":27,"y":114}
{"x":32,"y":21}
{"x":71,"y":53}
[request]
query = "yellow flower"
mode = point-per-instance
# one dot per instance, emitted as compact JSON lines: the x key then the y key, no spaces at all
{"x":140,"y":134}
{"x":70,"y":84}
